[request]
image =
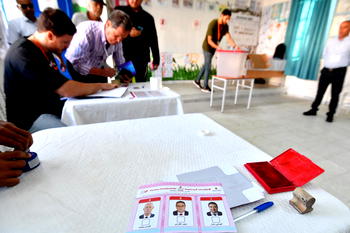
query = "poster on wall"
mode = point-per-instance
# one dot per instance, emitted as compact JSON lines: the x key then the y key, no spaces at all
{"x":343,"y":7}
{"x":176,"y":3}
{"x":242,"y":4}
{"x":147,"y":2}
{"x":188,"y":3}
{"x":273,"y":27}
{"x":245,"y":29}
{"x":213,"y":6}
{"x":200,"y":5}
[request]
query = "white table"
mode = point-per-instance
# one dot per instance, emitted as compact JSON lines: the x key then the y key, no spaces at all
{"x":87,"y":111}
{"x":89,"y":176}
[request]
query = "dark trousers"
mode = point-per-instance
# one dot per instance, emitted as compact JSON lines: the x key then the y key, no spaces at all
{"x":90,"y":78}
{"x":335,"y":77}
{"x":141,"y":71}
{"x":205,"y":71}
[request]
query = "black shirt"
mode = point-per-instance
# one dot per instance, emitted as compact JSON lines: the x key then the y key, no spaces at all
{"x":138,"y":48}
{"x":31,"y":79}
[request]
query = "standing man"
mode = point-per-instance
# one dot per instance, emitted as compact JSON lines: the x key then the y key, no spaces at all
{"x":336,"y":58}
{"x":33,"y":83}
{"x":23,"y":26}
{"x":93,"y":43}
{"x":94,"y":11}
{"x":217,"y":29}
{"x":142,"y":39}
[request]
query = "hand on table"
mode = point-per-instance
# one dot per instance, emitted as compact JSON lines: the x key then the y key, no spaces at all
{"x":12,"y":136}
{"x":108,"y":86}
{"x":11,"y":164}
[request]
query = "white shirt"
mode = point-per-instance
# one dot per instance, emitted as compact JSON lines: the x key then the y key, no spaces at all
{"x":337,"y":53}
{"x":20,"y":27}
{"x":79,"y":17}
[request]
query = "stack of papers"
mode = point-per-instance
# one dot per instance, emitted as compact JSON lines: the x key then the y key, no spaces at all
{"x":114,"y":93}
{"x":145,"y":94}
{"x":181,"y":207}
{"x":237,"y":187}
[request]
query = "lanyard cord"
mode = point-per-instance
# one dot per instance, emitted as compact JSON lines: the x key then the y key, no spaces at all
{"x":52,"y":64}
{"x":219,"y":31}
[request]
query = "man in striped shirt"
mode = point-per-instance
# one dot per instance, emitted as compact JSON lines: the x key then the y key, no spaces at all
{"x":93,"y":43}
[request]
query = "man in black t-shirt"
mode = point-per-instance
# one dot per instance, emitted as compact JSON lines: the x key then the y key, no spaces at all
{"x":217,"y":29}
{"x":142,"y":39}
{"x":33,"y":83}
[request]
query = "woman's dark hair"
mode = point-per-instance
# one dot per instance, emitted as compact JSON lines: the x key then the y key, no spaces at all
{"x":280,"y":51}
{"x":56,"y":21}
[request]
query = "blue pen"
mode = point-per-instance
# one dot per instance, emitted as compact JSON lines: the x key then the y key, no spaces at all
{"x":257,"y":209}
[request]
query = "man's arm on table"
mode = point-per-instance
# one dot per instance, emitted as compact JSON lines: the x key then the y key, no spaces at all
{"x":73,"y":88}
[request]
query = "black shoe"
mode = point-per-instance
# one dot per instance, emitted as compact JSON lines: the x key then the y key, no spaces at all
{"x":206,"y":90}
{"x":329,"y":117}
{"x":311,"y":112}
{"x":197,"y":84}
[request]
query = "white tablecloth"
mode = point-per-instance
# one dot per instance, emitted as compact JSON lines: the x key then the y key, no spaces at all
{"x":89,"y":174}
{"x":87,"y":111}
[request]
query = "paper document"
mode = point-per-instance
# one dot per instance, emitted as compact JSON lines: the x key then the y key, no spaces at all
{"x":237,"y":187}
{"x":114,"y":93}
{"x":145,"y":94}
{"x":181,"y":207}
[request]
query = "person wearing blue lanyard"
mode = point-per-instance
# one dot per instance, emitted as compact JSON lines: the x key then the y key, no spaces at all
{"x":33,"y":84}
{"x":336,"y":58}
{"x":217,"y":29}
{"x":93,"y":43}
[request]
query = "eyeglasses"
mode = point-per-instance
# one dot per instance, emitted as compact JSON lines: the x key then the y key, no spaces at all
{"x":25,"y":6}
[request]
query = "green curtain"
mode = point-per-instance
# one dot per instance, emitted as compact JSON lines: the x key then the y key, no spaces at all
{"x":307,"y":32}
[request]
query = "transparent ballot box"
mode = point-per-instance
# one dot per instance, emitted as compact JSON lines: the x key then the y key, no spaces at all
{"x":231,"y":63}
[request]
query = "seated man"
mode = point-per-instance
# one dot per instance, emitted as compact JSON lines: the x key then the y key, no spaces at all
{"x":12,"y":162}
{"x":93,"y":43}
{"x":94,"y":11}
{"x":33,"y":83}
{"x":23,"y":26}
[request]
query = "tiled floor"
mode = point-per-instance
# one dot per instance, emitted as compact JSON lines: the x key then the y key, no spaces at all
{"x":275,"y":123}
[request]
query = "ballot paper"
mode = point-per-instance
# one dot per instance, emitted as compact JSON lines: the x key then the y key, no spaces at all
{"x":237,"y":187}
{"x":181,"y":207}
{"x":114,"y":93}
{"x":146,"y":94}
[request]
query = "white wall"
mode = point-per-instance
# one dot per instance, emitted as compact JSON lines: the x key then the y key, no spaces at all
{"x":307,"y":88}
{"x":179,"y":33}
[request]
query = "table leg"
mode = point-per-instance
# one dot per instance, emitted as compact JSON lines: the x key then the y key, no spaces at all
{"x":212,"y":91}
{"x":223,"y":96}
{"x":237,"y":88}
{"x":250,"y":92}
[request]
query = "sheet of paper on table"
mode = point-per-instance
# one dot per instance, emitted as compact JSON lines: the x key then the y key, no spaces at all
{"x":239,"y":190}
{"x":145,"y":94}
{"x":114,"y":93}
